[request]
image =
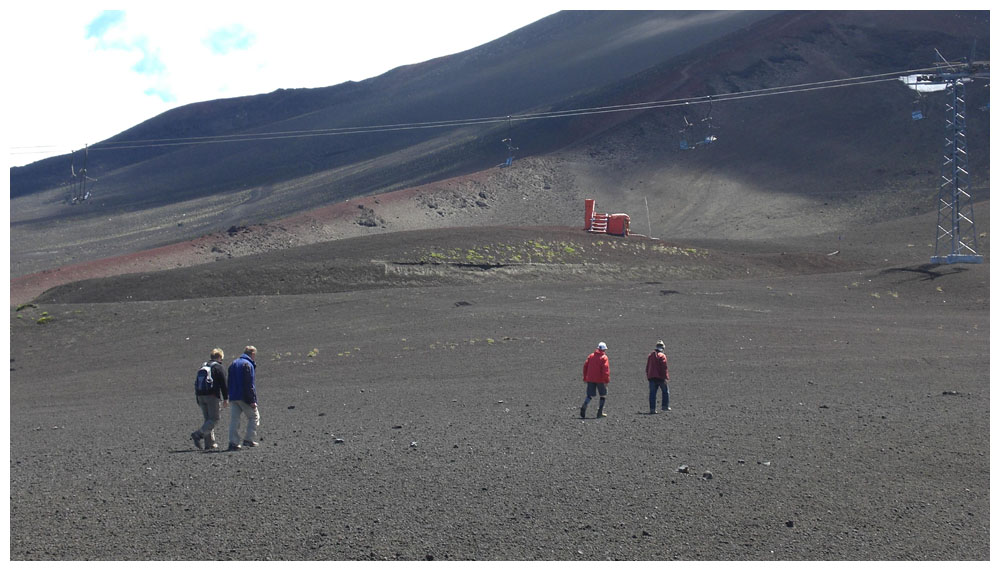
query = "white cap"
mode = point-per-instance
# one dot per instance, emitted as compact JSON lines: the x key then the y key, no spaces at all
{"x":602,"y":346}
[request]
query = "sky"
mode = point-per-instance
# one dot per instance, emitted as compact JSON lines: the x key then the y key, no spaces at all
{"x":78,"y":74}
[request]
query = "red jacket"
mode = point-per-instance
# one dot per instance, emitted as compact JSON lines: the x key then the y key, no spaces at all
{"x":596,"y":369}
{"x":656,"y":366}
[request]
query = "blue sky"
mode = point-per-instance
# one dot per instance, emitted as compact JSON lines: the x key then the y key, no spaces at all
{"x":82,"y":74}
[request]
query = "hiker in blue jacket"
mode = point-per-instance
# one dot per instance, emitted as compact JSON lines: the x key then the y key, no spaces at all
{"x":243,"y":398}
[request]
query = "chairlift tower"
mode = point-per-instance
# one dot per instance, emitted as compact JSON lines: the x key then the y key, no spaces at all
{"x":956,"y":240}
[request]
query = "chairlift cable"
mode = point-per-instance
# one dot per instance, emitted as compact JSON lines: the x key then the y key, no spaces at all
{"x":509,"y":119}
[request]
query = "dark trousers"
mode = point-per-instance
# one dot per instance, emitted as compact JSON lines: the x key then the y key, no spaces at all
{"x":594,"y":389}
{"x":657,"y":385}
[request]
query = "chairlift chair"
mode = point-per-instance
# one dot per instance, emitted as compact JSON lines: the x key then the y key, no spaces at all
{"x":79,"y":189}
{"x":918,"y":108}
{"x":684,"y":135}
{"x":510,"y":152}
{"x":707,"y":122}
{"x":689,"y":139}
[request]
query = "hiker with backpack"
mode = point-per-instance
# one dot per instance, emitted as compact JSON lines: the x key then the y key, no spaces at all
{"x":212,"y":395}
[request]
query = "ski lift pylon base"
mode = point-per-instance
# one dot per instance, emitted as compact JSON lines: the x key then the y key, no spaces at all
{"x":957,"y":259}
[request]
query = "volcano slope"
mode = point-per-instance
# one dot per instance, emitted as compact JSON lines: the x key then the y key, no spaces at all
{"x":420,"y":392}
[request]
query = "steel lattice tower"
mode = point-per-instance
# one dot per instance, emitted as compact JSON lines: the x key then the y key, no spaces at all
{"x":956,"y":240}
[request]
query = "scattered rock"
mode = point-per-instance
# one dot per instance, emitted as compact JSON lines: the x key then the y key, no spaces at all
{"x":338,"y":440}
{"x":368,"y":218}
{"x":949,"y":393}
{"x":291,"y":407}
{"x":413,"y":444}
{"x":683,"y":469}
{"x":707,"y":475}
{"x":789,"y":523}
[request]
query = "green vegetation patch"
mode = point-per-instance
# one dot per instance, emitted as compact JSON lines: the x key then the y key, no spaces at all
{"x":542,"y":251}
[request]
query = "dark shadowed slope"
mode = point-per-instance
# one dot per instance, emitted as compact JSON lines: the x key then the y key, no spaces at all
{"x":530,"y":69}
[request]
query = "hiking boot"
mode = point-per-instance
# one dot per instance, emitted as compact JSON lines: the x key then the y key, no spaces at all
{"x":666,"y":409}
{"x":212,"y":447}
{"x":583,"y":412}
{"x":601,"y":414}
{"x":196,"y":437}
{"x":250,"y":443}
{"x":652,"y":411}
{"x":233,"y":447}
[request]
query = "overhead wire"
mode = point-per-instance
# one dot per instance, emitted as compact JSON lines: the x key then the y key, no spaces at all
{"x":625,"y":107}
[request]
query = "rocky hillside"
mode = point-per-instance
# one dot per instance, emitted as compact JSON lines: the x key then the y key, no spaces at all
{"x":833,"y":158}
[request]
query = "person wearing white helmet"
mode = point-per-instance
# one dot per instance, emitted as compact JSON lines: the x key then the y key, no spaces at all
{"x":658,"y":376}
{"x":597,"y":375}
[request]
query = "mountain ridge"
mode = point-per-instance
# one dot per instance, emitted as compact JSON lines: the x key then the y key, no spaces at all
{"x":796,"y":149}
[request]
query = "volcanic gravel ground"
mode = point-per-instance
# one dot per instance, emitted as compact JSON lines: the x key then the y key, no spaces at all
{"x":833,"y":416}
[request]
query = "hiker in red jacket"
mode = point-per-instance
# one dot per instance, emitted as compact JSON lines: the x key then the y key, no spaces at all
{"x":658,"y":376}
{"x":597,"y":374}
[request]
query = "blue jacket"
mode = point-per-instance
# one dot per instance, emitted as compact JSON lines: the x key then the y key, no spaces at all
{"x":242,"y":385}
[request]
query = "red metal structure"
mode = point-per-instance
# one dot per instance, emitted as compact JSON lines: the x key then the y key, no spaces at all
{"x":603,"y":223}
{"x":618,"y":224}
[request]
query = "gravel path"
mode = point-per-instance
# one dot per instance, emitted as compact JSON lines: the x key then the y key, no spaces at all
{"x":841,"y":416}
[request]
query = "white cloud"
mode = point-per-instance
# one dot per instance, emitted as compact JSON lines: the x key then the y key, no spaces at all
{"x":228,"y":39}
{"x":104,"y":22}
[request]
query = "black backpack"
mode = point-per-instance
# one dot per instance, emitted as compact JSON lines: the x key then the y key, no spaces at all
{"x":203,"y":382}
